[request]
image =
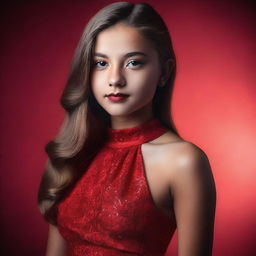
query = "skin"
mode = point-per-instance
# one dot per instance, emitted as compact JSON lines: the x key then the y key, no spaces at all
{"x":178,"y":172}
{"x":134,"y":75}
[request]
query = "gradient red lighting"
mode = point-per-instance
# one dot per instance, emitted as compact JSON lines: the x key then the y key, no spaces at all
{"x":213,"y":106}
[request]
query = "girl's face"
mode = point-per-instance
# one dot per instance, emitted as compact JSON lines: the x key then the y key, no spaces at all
{"x":124,"y":62}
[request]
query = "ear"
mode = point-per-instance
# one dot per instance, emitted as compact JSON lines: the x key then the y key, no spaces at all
{"x":167,"y":70}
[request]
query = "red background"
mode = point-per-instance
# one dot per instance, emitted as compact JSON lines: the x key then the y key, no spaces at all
{"x":213,"y":106}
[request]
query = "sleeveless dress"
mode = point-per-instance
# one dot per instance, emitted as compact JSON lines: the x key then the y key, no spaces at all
{"x":111,"y":210}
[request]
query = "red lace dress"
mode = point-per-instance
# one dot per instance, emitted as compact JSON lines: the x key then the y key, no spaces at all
{"x":111,"y":211}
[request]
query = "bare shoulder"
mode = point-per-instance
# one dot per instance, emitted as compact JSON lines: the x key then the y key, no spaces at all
{"x":173,"y":144}
{"x":179,"y":158}
{"x":187,"y":156}
{"x":187,"y":168}
{"x":192,"y":187}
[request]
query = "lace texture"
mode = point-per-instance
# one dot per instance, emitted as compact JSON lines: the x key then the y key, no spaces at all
{"x":111,"y":211}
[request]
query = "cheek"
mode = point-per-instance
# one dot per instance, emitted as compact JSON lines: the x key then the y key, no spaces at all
{"x":96,"y":84}
{"x":146,"y":82}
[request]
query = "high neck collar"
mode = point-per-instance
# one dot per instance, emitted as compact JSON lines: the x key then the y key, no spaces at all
{"x":136,"y":135}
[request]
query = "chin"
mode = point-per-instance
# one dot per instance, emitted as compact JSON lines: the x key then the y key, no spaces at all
{"x":117,"y":113}
{"x":124,"y":110}
{"x":123,"y":113}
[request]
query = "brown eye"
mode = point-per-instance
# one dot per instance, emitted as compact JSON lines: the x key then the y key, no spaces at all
{"x":135,"y":63}
{"x":100,"y":63}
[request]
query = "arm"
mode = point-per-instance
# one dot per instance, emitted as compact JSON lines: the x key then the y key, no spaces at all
{"x":194,"y":197}
{"x":56,"y":245}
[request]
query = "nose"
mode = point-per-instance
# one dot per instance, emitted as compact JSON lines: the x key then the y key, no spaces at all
{"x":116,"y":77}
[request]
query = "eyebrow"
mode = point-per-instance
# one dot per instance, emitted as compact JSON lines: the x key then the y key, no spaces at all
{"x":129,"y":54}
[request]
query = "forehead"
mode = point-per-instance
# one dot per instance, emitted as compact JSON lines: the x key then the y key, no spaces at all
{"x":121,"y":38}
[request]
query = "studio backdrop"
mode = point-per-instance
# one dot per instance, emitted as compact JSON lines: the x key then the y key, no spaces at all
{"x":213,"y":106}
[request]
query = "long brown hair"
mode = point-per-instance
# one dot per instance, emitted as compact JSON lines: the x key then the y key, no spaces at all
{"x":83,"y":131}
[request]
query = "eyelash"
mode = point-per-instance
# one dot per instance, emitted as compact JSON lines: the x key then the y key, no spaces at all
{"x":139,"y":63}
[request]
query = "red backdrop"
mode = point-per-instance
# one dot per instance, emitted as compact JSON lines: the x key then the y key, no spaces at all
{"x":213,"y":106}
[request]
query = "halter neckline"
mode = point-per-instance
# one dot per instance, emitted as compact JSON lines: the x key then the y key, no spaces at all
{"x":136,"y":135}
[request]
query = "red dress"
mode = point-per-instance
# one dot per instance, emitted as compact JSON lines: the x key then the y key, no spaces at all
{"x":111,"y":211}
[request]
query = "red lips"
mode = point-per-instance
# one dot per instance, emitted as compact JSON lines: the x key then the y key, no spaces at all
{"x":117,"y":97}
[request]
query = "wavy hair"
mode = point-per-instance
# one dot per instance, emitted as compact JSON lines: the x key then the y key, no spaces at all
{"x":84,"y":129}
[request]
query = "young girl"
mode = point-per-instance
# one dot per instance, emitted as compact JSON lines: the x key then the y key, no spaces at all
{"x":119,"y":179}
